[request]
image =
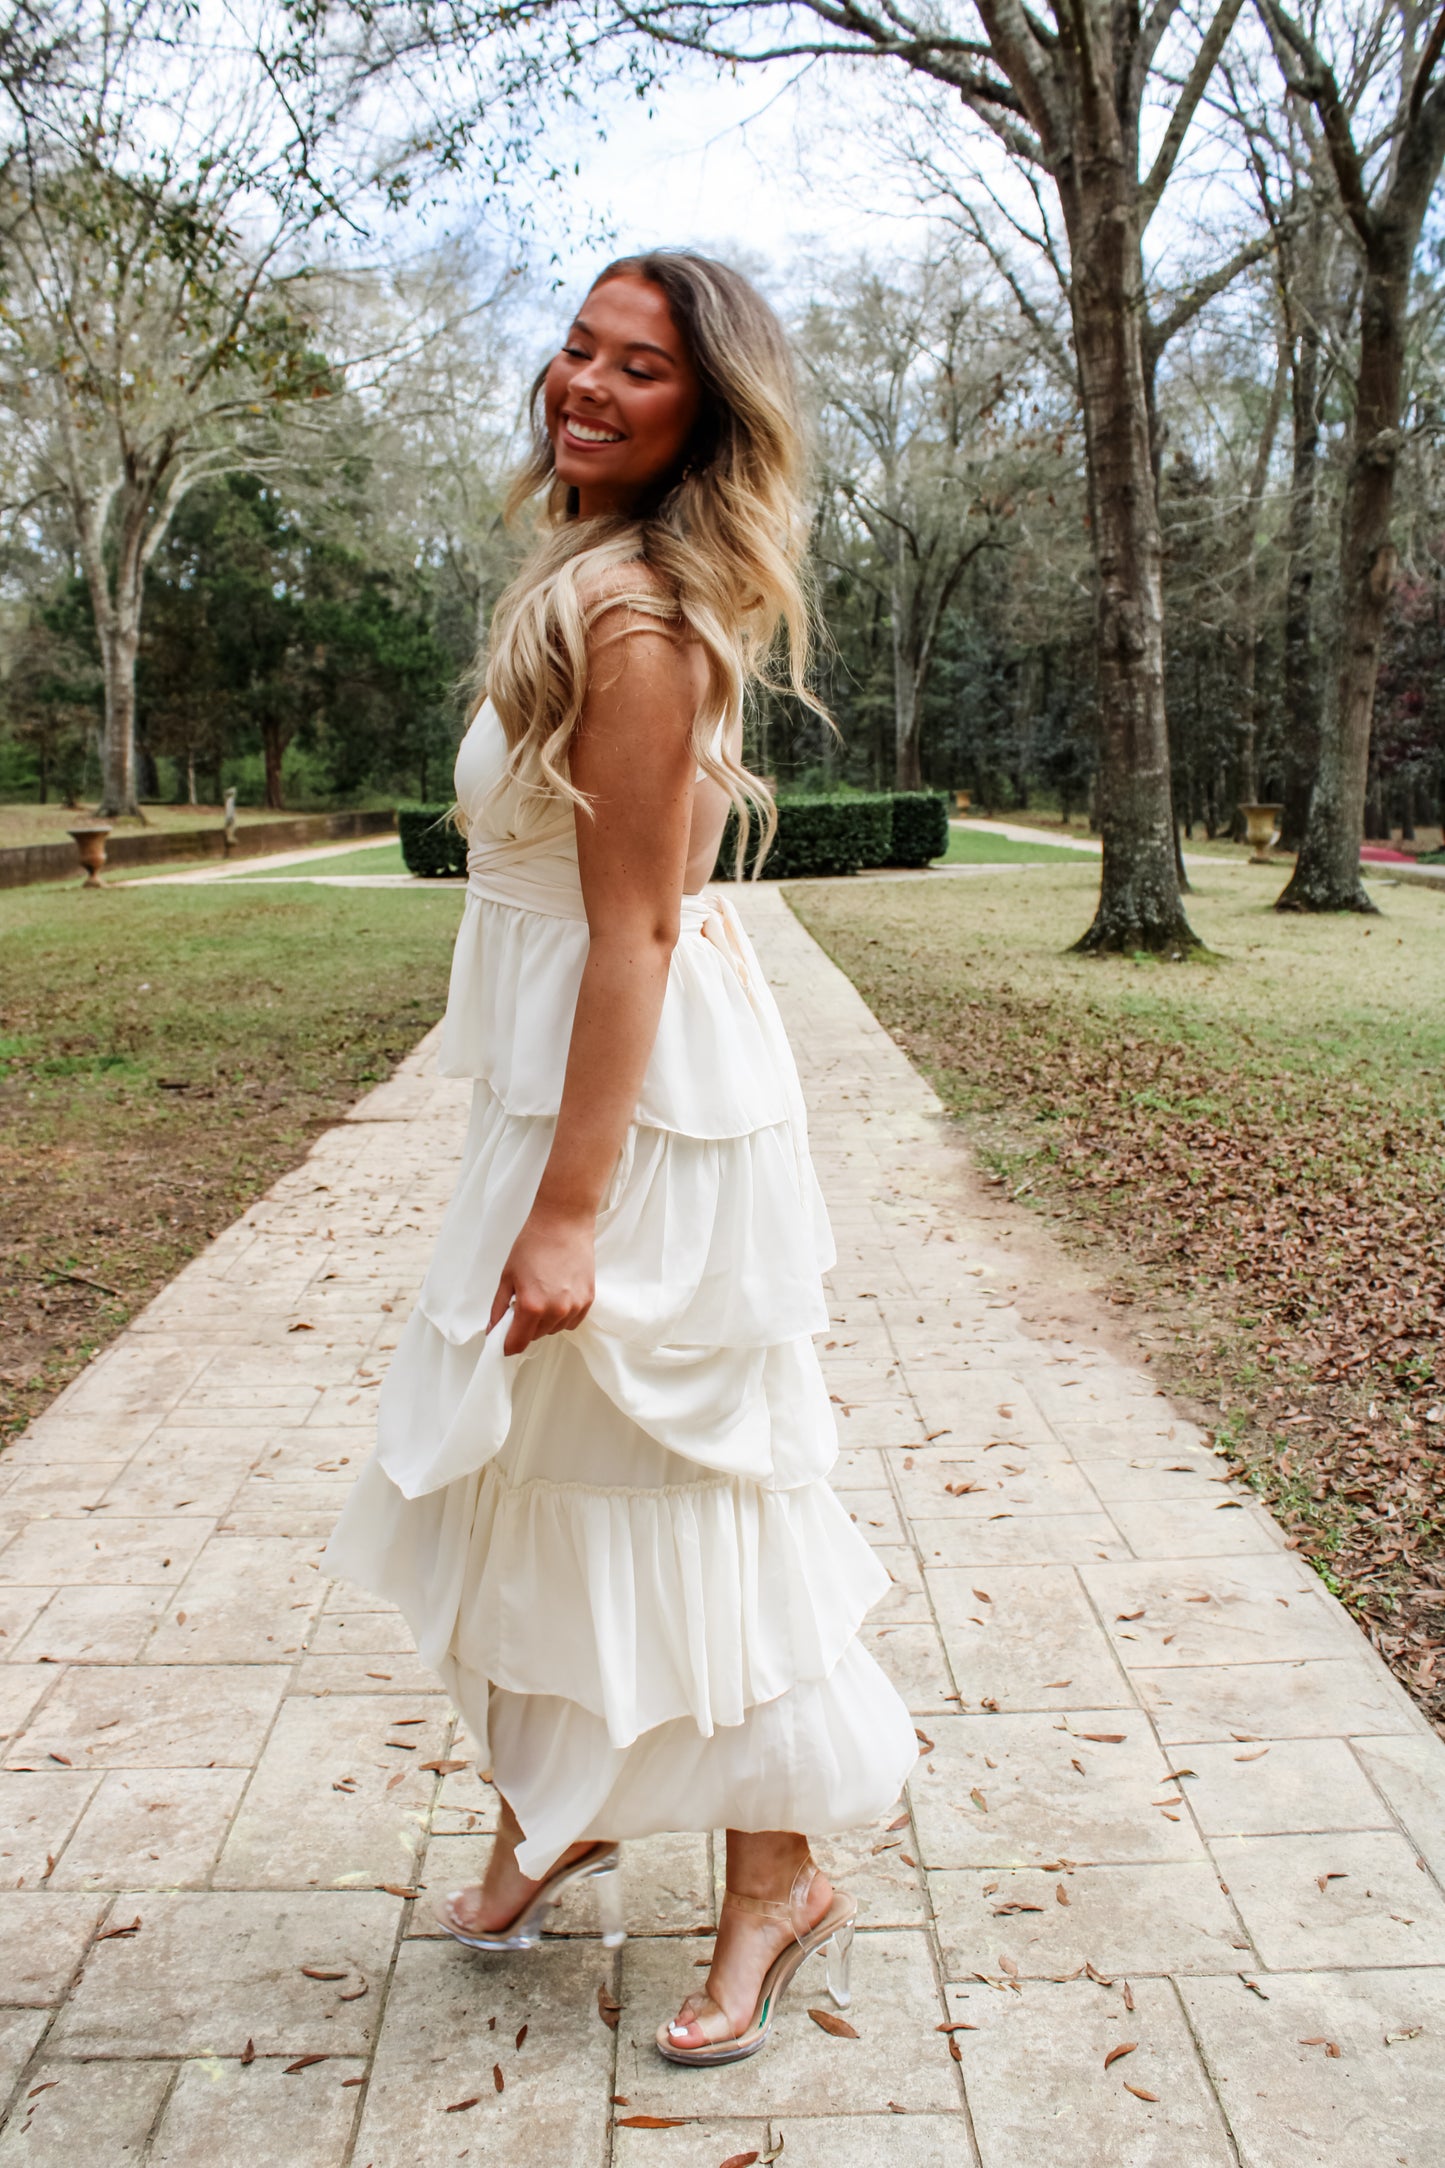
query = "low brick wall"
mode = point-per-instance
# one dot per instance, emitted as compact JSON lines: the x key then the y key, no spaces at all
{"x":58,"y":861}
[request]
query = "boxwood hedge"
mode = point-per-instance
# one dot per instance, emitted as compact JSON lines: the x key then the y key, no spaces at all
{"x":817,"y":836}
{"x":920,"y":827}
{"x":429,"y":844}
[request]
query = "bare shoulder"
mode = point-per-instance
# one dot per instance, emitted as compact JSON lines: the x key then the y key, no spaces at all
{"x":602,"y":588}
{"x":637,"y":639}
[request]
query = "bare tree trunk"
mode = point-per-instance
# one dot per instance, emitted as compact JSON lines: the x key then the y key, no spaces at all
{"x":1301,"y":691}
{"x":1139,"y":901}
{"x":1327,"y":873}
{"x":907,"y":714}
{"x":274,"y":741}
{"x":118,"y":647}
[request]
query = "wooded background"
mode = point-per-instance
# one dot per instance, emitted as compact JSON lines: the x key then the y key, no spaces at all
{"x":1130,"y":504}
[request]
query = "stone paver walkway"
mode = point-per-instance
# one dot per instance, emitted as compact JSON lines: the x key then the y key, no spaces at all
{"x":1174,"y":1856}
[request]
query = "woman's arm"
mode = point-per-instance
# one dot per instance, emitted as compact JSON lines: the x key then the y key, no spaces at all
{"x":631,"y":756}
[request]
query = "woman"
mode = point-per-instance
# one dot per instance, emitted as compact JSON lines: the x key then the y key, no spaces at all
{"x":599,"y":1493}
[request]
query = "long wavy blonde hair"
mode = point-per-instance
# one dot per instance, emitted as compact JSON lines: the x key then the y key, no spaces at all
{"x":722,"y":538}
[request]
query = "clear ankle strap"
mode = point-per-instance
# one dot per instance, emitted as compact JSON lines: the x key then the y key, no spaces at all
{"x":788,"y":1912}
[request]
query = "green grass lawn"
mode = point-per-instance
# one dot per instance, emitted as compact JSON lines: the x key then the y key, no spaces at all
{"x":165,"y":1054}
{"x":979,"y":847}
{"x":1253,"y":1144}
{"x":383,"y":857}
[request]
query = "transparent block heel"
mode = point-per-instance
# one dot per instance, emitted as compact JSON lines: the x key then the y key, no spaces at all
{"x":610,"y":1916}
{"x":527,"y":1929}
{"x":838,"y":1958}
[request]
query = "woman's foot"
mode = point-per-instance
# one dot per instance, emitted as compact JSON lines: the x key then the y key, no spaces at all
{"x":490,"y":1906}
{"x":765,"y":1866}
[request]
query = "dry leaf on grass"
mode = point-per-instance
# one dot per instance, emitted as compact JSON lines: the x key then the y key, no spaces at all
{"x":831,"y":2023}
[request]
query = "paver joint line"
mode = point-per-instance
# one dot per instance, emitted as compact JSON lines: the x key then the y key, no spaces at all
{"x":1156,"y":1750}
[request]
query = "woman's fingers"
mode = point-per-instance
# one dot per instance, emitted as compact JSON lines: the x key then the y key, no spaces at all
{"x":538,"y":1319}
{"x":502,"y":1297}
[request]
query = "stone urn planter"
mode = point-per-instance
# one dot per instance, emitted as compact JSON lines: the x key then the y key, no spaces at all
{"x":89,"y":840}
{"x":1261,"y":831}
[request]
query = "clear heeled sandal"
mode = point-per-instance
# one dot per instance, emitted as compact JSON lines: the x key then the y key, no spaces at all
{"x":833,"y":1935}
{"x":601,"y":1864}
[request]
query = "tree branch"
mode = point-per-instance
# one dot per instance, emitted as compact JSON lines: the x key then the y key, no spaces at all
{"x":1196,"y":83}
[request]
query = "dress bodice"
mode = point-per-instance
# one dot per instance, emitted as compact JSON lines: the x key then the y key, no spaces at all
{"x":521,"y":843}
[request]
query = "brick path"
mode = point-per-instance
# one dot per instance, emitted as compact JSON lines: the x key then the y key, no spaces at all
{"x":1170,"y":1796}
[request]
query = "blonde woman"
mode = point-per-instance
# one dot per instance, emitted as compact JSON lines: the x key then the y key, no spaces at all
{"x":599,"y":1493}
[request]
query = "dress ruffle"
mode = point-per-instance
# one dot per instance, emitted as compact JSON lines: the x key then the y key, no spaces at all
{"x":698,"y":1600}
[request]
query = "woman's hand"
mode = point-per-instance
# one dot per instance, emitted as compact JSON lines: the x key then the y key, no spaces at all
{"x":548,"y":1276}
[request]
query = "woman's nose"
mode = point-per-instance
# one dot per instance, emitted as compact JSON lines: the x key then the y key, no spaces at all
{"x":587,"y":380}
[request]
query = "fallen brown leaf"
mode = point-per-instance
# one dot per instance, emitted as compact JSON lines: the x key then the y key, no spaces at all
{"x":1125,"y":2047}
{"x":498,"y":2081}
{"x":248,"y":2053}
{"x":652,"y":2122}
{"x":838,"y":2027}
{"x":521,"y":2036}
{"x":320,"y":1972}
{"x":455,"y":2107}
{"x":1139,"y":2091}
{"x":741,"y":2160}
{"x":607,"y":2009}
{"x":303,"y":2062}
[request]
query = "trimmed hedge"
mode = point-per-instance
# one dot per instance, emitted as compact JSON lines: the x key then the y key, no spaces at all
{"x":430,"y":845}
{"x":818,"y":836}
{"x":920,"y":827}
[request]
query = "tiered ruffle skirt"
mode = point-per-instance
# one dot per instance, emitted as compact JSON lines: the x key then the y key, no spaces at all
{"x":619,"y":1550}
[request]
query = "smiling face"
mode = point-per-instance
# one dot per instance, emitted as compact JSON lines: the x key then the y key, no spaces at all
{"x":622,"y":397}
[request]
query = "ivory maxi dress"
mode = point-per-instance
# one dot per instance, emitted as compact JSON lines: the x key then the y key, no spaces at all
{"x":619,"y":1549}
